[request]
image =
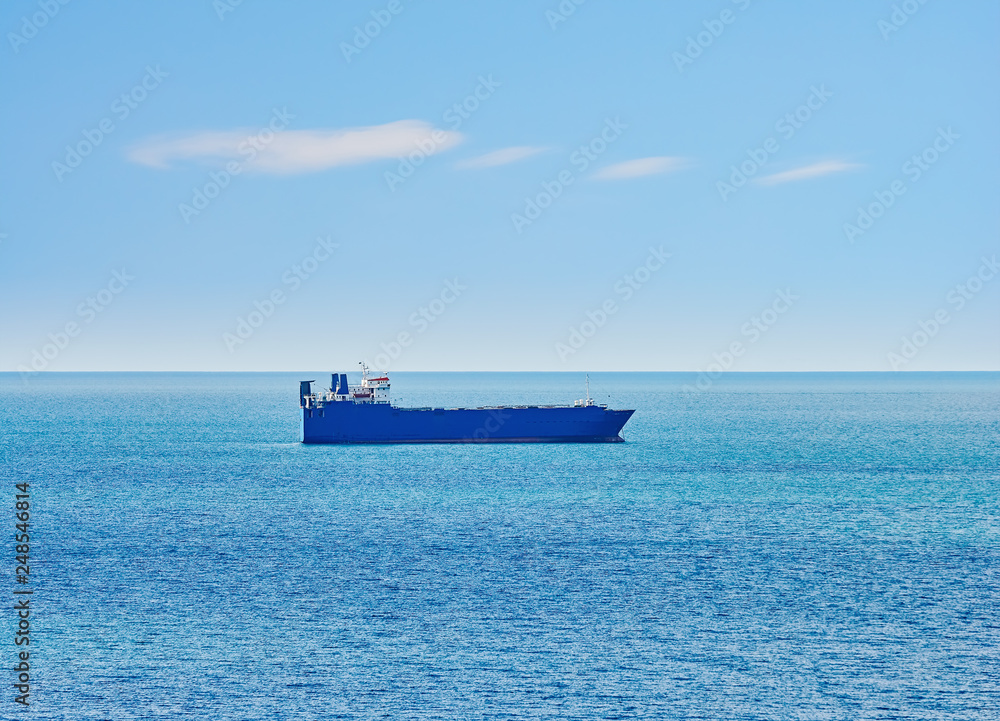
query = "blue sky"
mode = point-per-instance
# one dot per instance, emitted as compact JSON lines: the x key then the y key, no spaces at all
{"x":500,"y":186}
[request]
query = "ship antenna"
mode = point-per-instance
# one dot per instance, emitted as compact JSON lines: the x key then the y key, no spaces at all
{"x":588,"y":389}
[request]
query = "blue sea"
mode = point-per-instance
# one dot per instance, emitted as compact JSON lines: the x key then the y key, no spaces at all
{"x":779,"y":546}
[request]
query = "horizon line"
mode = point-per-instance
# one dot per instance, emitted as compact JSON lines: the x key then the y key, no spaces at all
{"x":699,"y":371}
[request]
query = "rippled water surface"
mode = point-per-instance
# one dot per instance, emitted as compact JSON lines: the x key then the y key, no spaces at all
{"x":781,"y":546}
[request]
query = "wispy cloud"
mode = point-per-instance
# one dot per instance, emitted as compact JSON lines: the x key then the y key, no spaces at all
{"x":297,"y":151}
{"x":504,"y":156}
{"x":815,"y":170}
{"x":641,"y":167}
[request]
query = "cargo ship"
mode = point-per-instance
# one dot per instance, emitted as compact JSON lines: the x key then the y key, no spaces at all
{"x":363,"y":413}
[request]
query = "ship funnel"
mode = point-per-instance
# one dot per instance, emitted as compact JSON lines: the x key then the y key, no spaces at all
{"x":305,"y":389}
{"x":338,"y":384}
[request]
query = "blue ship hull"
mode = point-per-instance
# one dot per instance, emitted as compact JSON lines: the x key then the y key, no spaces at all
{"x":383,"y":423}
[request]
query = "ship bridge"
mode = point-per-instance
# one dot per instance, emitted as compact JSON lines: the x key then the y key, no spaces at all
{"x":372,"y":389}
